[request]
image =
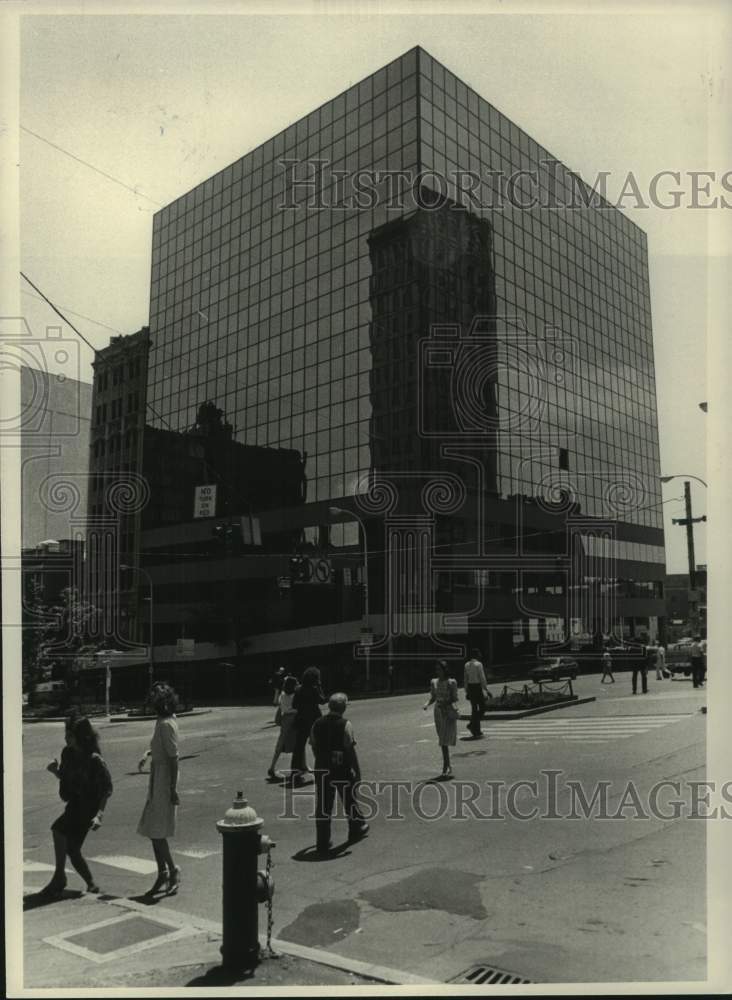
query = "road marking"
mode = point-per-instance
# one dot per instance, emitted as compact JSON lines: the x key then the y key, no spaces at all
{"x":586,"y":730}
{"x":37,"y":866}
{"x":198,"y":854}
{"x":424,"y":741}
{"x":140,"y":866}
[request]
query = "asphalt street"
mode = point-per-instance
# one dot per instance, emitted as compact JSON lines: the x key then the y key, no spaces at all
{"x":436,"y":887}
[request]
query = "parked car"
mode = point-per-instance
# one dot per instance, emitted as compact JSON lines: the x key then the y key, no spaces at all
{"x":683,"y":645}
{"x":678,"y":660}
{"x":48,"y":693}
{"x":555,"y":669}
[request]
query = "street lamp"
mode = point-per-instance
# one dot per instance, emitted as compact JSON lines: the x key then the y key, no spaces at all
{"x":145,"y":573}
{"x":337,"y":512}
{"x":667,"y":479}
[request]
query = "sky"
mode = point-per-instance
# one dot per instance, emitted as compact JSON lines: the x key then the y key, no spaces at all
{"x":159,"y":103}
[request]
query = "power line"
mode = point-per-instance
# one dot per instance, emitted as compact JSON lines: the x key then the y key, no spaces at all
{"x":90,"y":319}
{"x":58,"y":312}
{"x":91,"y":166}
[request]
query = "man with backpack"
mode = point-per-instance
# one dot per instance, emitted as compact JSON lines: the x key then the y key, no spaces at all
{"x":337,"y":771}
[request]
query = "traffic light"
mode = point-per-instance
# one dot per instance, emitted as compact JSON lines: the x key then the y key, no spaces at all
{"x":299,"y":569}
{"x":227,"y":534}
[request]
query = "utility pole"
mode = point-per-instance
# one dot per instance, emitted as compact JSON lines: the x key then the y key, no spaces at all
{"x":688,"y":522}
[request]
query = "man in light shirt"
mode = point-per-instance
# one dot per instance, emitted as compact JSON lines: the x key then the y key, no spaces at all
{"x":697,"y":662}
{"x":660,"y":662}
{"x":476,"y":690}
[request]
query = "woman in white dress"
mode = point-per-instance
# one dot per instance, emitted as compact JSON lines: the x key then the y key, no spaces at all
{"x":159,"y":815}
{"x":444,"y":696}
{"x":287,"y":715}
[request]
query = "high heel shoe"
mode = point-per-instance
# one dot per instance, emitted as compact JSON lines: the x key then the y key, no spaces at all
{"x":173,"y":881}
{"x":160,"y":882}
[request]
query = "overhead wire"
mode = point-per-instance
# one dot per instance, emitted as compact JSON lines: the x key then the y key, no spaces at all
{"x":98,"y":170}
{"x":73,"y":312}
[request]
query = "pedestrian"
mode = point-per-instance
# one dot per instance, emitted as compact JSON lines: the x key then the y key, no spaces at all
{"x":697,"y":662}
{"x":607,"y":667}
{"x":85,"y":785}
{"x":444,"y":696}
{"x":286,"y":738}
{"x":660,"y":662}
{"x":277,"y":680}
{"x":307,"y":701}
{"x":146,"y":755}
{"x":476,"y":690}
{"x":158,"y":818}
{"x":703,"y":646}
{"x":640,"y":666}
{"x":337,"y":771}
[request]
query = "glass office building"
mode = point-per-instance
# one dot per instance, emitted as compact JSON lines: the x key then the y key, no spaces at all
{"x":276,"y":295}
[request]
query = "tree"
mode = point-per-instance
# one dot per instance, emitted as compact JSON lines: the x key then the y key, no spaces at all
{"x":37,"y":626}
{"x":67,"y":631}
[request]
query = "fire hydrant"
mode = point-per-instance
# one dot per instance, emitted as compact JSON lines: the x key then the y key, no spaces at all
{"x":244,"y":886}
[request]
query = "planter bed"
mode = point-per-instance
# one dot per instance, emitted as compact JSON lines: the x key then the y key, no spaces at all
{"x":518,"y":712}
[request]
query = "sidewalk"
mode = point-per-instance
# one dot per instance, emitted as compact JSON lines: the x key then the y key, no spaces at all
{"x":105,"y":941}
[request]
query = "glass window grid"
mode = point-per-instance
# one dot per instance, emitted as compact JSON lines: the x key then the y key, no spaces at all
{"x":613,"y":300}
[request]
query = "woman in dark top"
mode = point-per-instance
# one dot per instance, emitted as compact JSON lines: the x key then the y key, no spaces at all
{"x":307,"y":701}
{"x":84,"y":785}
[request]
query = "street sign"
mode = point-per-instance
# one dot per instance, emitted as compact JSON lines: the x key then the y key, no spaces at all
{"x":204,"y":502}
{"x":313,"y":569}
{"x":251,"y":532}
{"x":185,"y":648}
{"x":321,"y":571}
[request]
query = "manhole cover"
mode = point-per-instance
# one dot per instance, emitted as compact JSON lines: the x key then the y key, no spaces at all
{"x":487,"y":975}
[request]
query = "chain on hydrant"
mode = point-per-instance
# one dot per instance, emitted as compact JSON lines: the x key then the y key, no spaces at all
{"x":244,"y":886}
{"x":270,"y":897}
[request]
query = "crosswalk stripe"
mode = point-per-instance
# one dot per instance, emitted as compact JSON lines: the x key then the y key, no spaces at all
{"x":586,"y":730}
{"x":140,"y":866}
{"x":547,"y":739}
{"x":580,"y":729}
{"x":608,"y":723}
{"x":37,"y":866}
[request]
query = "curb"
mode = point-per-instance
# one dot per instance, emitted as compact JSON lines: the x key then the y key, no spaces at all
{"x":500,"y":716}
{"x":151,"y":718}
{"x":32,"y":720}
{"x":117,"y":718}
{"x":367,"y":970}
{"x":328,"y":958}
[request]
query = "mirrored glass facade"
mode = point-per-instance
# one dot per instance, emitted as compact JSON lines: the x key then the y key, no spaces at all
{"x":275,"y":295}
